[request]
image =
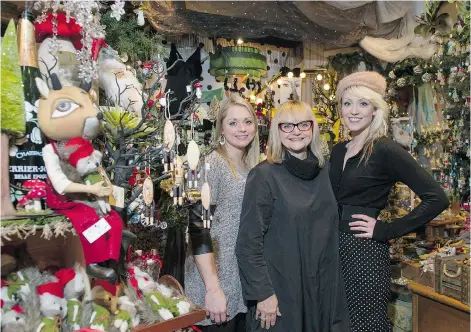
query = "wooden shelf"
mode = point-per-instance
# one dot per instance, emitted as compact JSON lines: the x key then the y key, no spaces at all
{"x":444,"y":222}
{"x":175,"y":323}
{"x":430,"y":293}
{"x":435,"y":312}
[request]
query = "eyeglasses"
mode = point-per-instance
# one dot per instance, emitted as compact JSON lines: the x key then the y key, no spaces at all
{"x":288,"y":127}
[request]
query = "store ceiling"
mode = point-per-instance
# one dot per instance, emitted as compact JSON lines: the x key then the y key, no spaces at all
{"x":301,"y":21}
{"x":283,"y":23}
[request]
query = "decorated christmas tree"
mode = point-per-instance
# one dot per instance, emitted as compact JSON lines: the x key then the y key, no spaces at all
{"x":12,"y":102}
{"x":13,"y":119}
{"x":448,"y":71}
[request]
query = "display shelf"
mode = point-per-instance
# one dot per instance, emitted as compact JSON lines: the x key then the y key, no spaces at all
{"x":435,"y":312}
{"x":23,"y":226}
{"x":174,"y":323}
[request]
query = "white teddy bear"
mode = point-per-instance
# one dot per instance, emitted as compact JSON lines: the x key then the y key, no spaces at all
{"x":52,"y":306}
{"x":13,"y":320}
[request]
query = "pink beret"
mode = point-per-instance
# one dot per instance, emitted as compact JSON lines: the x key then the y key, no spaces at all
{"x":369,"y":79}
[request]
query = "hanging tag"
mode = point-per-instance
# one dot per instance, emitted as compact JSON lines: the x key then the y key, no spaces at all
{"x":193,"y":155}
{"x":95,"y":231}
{"x":169,"y":134}
{"x":148,"y":191}
{"x":117,"y":197}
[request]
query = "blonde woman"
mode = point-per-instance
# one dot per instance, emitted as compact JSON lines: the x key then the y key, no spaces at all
{"x":211,"y":273}
{"x":287,"y":246}
{"x":362,"y":173}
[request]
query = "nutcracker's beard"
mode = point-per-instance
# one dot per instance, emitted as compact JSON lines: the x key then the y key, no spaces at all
{"x":91,"y":128}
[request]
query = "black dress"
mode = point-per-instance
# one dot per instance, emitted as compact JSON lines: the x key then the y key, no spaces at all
{"x":364,"y":188}
{"x":288,"y":246}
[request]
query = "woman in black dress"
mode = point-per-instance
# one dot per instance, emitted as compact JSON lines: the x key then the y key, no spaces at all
{"x":287,"y":247}
{"x":362,"y":173}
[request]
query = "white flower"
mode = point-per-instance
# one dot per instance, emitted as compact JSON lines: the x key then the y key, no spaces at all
{"x":13,"y":151}
{"x":30,"y":110}
{"x":117,"y":10}
{"x":183,"y":307}
{"x":35,"y":136}
{"x":165,"y":313}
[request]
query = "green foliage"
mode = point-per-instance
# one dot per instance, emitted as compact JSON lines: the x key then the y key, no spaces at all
{"x":12,"y":105}
{"x":173,"y":215}
{"x":347,"y":63}
{"x":431,"y":21}
{"x":126,"y":37}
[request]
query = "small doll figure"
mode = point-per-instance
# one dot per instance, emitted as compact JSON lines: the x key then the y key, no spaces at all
{"x":168,"y":158}
{"x":178,"y":176}
{"x":52,"y":305}
{"x":192,"y":177}
{"x":205,"y":202}
{"x":13,"y":320}
{"x":87,"y":162}
{"x":169,"y":140}
{"x":193,"y":156}
{"x":74,"y":286}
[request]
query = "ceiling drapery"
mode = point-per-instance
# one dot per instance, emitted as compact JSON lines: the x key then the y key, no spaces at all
{"x":337,"y":23}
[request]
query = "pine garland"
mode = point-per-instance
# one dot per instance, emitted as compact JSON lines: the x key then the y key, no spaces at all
{"x":126,"y":37}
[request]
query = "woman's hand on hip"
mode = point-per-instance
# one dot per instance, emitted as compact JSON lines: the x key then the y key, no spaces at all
{"x":267,"y":310}
{"x":216,"y":305}
{"x":366,"y":225}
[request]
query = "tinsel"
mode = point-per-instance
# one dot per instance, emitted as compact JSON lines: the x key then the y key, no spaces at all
{"x":87,"y":15}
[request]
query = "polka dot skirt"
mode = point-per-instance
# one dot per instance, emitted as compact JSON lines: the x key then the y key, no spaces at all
{"x":367,"y":274}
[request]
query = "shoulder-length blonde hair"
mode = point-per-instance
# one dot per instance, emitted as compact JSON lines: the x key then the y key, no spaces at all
{"x":251,"y":156}
{"x":276,"y":150}
{"x":379,"y":125}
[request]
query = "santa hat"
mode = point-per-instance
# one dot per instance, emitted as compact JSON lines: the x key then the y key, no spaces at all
{"x":69,"y":29}
{"x":18,"y":309}
{"x":83,"y":147}
{"x":65,"y":275}
{"x":107,"y":286}
{"x":53,"y":288}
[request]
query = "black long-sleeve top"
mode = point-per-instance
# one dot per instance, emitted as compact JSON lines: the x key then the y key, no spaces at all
{"x":368,"y":185}
{"x":288,"y":245}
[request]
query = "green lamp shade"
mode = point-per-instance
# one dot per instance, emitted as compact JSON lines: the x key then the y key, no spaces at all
{"x":238,"y":60}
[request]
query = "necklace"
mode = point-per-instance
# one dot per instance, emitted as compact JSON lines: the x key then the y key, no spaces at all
{"x":231,"y":164}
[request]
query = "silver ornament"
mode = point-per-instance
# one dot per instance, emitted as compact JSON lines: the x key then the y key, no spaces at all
{"x":418,"y":69}
{"x":401,"y":82}
{"x":427,"y":77}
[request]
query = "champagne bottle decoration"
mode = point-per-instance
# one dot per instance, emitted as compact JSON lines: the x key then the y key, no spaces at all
{"x":31,"y":145}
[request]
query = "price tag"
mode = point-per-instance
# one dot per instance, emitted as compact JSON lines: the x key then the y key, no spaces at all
{"x":95,"y":231}
{"x":117,"y":197}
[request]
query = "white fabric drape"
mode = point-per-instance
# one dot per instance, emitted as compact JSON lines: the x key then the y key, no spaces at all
{"x":343,"y":5}
{"x":409,"y":45}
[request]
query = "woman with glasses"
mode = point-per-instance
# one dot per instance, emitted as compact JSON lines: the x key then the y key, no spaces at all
{"x":287,"y":247}
{"x":363,"y":171}
{"x":211,"y":274}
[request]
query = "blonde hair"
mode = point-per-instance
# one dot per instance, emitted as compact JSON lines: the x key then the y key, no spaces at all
{"x":276,"y":150}
{"x":379,"y":125}
{"x":251,"y":154}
